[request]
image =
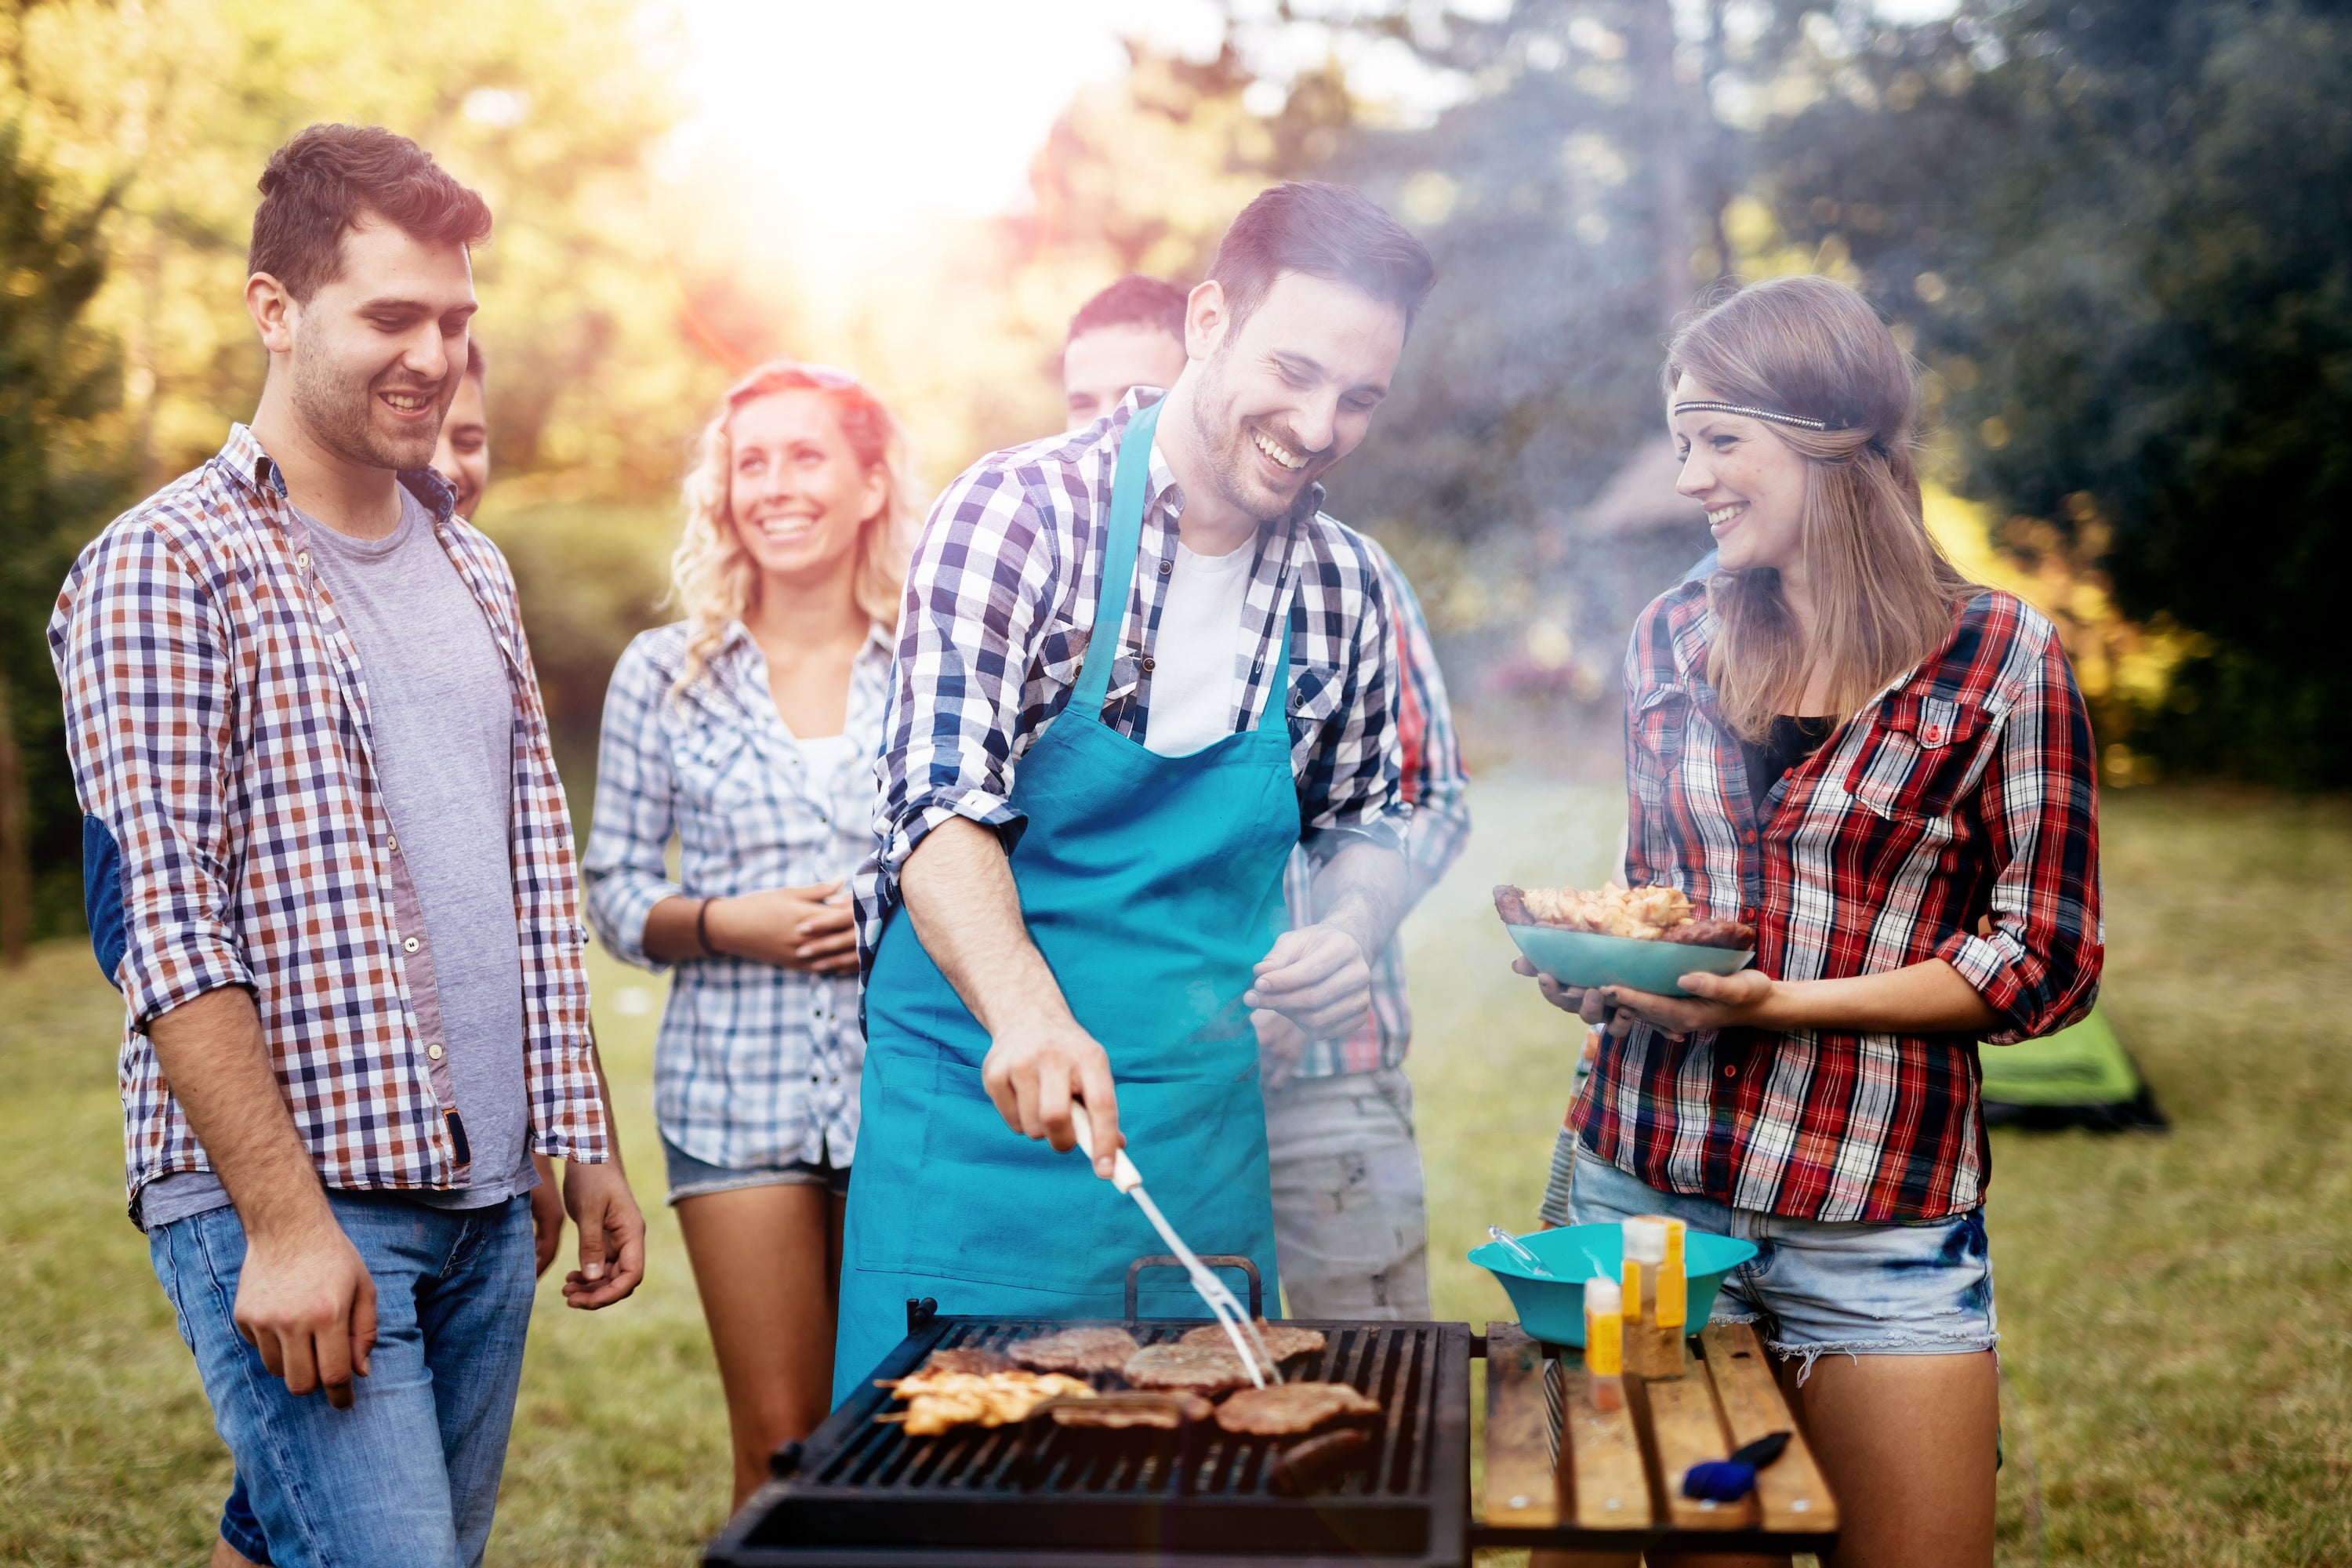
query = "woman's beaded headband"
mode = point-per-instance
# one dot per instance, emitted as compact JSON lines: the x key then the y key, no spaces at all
{"x":1772,"y":413}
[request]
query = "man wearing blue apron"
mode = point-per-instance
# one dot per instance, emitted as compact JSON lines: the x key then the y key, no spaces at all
{"x":1136,"y":667}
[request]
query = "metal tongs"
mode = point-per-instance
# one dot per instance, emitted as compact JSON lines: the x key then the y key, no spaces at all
{"x":1248,"y":1343}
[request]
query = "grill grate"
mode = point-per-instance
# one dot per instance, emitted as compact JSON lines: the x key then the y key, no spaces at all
{"x":864,"y":1492}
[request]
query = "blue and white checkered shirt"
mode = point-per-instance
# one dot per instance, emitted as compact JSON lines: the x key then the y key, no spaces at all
{"x":755,"y":1066}
{"x":1000,"y":607}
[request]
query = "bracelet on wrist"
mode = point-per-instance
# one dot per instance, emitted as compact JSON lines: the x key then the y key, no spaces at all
{"x":702,"y":929}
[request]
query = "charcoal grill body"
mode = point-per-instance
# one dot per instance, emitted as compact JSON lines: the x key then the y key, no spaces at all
{"x":863,"y":1493}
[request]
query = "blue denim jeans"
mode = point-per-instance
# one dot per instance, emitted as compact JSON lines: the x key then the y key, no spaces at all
{"x":409,"y":1475}
{"x":1818,"y":1287}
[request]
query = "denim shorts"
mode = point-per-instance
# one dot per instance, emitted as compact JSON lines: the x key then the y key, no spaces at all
{"x":1816,"y":1287}
{"x":693,"y":1178}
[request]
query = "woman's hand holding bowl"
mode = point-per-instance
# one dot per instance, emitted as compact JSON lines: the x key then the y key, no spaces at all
{"x":1717,"y":1001}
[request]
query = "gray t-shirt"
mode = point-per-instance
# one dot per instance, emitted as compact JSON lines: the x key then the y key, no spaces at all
{"x":442,"y":717}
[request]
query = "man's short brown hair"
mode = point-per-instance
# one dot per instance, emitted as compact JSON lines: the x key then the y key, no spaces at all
{"x":1333,"y":232}
{"x":329,"y":179}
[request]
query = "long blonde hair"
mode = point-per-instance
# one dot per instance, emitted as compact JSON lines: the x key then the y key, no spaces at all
{"x":1882,"y":589}
{"x":713,"y":577}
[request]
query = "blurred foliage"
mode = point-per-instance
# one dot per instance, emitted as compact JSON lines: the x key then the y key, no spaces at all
{"x":591,"y":575}
{"x":2125,"y":238}
{"x":55,"y":378}
{"x":548,"y":107}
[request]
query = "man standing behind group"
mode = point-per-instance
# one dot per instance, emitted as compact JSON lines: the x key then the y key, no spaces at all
{"x":1136,"y":668}
{"x":1350,"y":1228}
{"x":335,"y":883}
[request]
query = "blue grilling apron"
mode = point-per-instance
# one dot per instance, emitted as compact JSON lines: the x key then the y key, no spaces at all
{"x":1152,"y":885}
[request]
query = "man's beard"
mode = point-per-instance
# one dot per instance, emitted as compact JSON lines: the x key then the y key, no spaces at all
{"x":1232,"y":455}
{"x":339,"y":414}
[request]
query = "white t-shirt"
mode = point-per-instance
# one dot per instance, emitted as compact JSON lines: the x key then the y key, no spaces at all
{"x":1195,"y":655}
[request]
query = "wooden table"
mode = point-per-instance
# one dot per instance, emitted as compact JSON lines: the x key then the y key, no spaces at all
{"x":1563,"y":1477}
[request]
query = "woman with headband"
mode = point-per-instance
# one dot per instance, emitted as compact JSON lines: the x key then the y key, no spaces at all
{"x":750,"y":729}
{"x":1887,"y":771}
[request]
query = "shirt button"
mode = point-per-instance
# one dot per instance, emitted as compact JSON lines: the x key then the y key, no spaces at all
{"x":433,"y":1051}
{"x":409,"y":944}
{"x":1149,"y":663}
{"x":1730,"y":1071}
{"x":1749,"y":836}
{"x":303,"y":559}
{"x":1166,"y":567}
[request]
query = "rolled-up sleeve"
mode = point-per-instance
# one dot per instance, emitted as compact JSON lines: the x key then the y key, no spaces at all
{"x":625,"y":867}
{"x":2039,"y":799}
{"x":976,"y":591}
{"x":148,"y":681}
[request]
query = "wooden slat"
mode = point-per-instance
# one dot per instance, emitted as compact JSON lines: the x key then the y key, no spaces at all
{"x":1791,"y":1492}
{"x":1521,"y":1491}
{"x":1686,"y":1429}
{"x":1600,"y":1471}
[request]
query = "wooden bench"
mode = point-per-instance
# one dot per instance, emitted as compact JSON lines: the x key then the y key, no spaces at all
{"x":1563,"y":1477}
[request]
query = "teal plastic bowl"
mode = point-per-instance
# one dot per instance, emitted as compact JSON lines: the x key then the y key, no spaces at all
{"x":1553,"y":1310}
{"x":1586,"y":958}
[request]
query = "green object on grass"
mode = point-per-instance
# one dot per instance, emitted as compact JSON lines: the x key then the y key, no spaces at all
{"x":2081,"y":1075}
{"x":2082,"y":1064}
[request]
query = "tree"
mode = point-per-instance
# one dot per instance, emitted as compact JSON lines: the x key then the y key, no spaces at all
{"x":54,"y":377}
{"x":2122,"y":231}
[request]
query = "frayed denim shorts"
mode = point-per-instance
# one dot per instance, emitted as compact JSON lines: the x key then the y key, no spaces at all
{"x":693,"y":1178}
{"x":1822,"y":1287}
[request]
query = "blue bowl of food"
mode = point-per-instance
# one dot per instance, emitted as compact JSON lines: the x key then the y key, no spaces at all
{"x":1674,"y":943}
{"x":1553,"y":1310}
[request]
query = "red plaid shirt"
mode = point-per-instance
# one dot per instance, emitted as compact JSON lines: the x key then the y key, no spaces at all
{"x":1963,"y":793}
{"x":218,"y":719}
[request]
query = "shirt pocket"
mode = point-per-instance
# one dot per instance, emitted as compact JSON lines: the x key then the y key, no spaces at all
{"x":1921,"y":759}
{"x":1316,"y":692}
{"x":1660,"y":727}
{"x":1061,"y":650}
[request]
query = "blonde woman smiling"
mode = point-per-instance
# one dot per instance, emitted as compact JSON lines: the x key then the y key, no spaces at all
{"x":749,"y":730}
{"x":1886,"y":770}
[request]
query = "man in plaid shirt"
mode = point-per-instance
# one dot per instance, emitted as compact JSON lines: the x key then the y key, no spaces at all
{"x":1351,"y":1222}
{"x":331,"y":870}
{"x":1137,"y":668}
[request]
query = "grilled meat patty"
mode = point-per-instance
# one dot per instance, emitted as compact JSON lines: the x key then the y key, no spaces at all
{"x":1195,"y":1368}
{"x":1119,"y":1412}
{"x":1282,"y":1341}
{"x":1079,"y":1351}
{"x":1289,"y":1408}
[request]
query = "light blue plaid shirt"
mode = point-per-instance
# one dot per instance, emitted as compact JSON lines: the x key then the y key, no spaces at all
{"x":755,"y":1066}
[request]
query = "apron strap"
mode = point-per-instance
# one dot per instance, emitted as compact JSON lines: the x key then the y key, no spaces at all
{"x":1277,"y":711}
{"x":1130,"y":484}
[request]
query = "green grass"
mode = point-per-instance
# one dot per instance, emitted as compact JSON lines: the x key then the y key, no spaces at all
{"x":2176,"y":1311}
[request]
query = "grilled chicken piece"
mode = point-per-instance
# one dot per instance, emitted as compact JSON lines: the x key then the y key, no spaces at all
{"x":1290,"y":1408}
{"x":1194,"y":1369}
{"x":1079,"y":1351}
{"x":1282,"y":1341}
{"x":970,"y":1359}
{"x":1512,"y":905}
{"x":941,"y":1403}
{"x":1119,"y":1412}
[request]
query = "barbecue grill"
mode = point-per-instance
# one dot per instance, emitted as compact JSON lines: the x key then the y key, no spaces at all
{"x":863,"y":1492}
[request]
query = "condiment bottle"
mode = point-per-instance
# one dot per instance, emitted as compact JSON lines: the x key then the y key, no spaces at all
{"x":1604,"y":1344}
{"x":1674,"y":1287}
{"x":1654,"y":1348}
{"x":1646,"y":1245}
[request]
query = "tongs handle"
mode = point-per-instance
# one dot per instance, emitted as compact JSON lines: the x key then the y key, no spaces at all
{"x":1123,"y":1174}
